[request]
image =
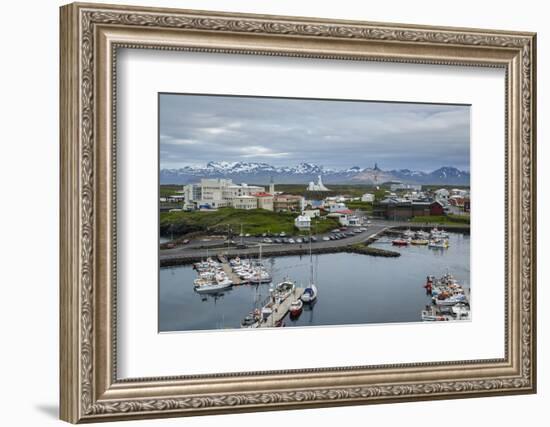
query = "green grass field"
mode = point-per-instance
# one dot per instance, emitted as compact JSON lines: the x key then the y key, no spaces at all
{"x":254,"y":222}
{"x":169,"y":190}
{"x":443,"y":219}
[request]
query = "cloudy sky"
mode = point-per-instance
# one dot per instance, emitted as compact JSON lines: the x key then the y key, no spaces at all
{"x":195,"y":129}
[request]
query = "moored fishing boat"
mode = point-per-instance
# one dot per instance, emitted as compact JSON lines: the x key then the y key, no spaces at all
{"x":283,"y":290}
{"x":400,"y":242}
{"x":296,"y":307}
{"x":436,"y":233}
{"x":419,"y":242}
{"x":420,"y":234}
{"x":452,"y":300}
{"x":439,"y":243}
{"x":409,"y":234}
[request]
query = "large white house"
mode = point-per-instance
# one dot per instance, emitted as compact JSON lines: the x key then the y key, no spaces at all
{"x":367,"y":197}
{"x":302,"y":222}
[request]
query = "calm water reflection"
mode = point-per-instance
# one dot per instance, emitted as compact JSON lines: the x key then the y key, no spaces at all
{"x":353,"y":289}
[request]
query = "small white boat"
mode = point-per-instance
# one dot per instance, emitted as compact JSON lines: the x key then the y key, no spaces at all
{"x":422,"y":234}
{"x":213,"y":287}
{"x":409,"y":233}
{"x":461,"y":311}
{"x":436,"y":233}
{"x":260,"y":277}
{"x":310,"y":294}
{"x":455,"y":299}
{"x":283,"y":290}
{"x":438,"y":243}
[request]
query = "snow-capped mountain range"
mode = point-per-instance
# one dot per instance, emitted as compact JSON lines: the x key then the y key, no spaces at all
{"x":262,"y":173}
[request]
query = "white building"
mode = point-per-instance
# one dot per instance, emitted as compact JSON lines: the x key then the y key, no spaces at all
{"x":367,"y":197}
{"x":319,"y":186}
{"x":400,"y":186}
{"x":218,"y":193}
{"x":334,"y":207}
{"x":265,"y":201}
{"x":312,"y":213}
{"x":244,"y":202}
{"x":302,"y":222}
{"x":346,"y":218}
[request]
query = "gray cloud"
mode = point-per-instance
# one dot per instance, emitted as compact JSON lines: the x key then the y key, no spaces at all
{"x":195,"y":129}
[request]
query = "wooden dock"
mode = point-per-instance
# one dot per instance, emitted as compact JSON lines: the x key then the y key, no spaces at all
{"x":229,"y":271}
{"x":281,"y":310}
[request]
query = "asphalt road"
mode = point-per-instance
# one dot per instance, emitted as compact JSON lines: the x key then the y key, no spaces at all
{"x":192,"y":251}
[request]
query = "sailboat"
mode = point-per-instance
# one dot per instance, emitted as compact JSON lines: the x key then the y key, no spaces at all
{"x":310,"y":293}
{"x":260,"y":275}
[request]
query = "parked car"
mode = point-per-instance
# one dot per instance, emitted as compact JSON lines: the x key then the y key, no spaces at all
{"x":336,"y":230}
{"x":241,"y":246}
{"x":326,"y":238}
{"x":283,"y":234}
{"x":313,"y":238}
{"x":291,"y":241}
{"x":267,"y":240}
{"x":186,"y":241}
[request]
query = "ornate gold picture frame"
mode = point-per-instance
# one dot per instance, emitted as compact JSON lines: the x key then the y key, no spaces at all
{"x":90,"y":36}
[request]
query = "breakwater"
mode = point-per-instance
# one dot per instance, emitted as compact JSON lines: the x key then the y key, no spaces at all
{"x":362,"y":249}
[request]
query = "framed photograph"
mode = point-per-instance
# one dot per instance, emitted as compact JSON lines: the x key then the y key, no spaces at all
{"x":266,"y":213}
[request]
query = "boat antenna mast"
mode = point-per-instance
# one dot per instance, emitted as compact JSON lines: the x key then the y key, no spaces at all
{"x":310,"y":260}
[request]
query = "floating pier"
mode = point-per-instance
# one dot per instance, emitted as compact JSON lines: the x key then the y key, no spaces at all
{"x":229,"y":271}
{"x":281,"y":310}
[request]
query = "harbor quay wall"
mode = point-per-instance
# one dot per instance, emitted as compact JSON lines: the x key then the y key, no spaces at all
{"x":355,"y":248}
{"x":455,"y":228}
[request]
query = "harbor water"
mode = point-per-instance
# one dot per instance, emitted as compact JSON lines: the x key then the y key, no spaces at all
{"x":353,"y":288}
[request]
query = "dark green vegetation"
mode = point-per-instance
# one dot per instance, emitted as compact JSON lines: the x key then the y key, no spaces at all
{"x":170,"y":190}
{"x":365,"y":206}
{"x":443,"y":219}
{"x":254,"y":222}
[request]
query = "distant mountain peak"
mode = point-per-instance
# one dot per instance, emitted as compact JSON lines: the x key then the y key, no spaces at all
{"x":262,"y":173}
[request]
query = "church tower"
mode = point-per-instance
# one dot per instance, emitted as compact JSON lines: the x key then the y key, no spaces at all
{"x":271,"y":186}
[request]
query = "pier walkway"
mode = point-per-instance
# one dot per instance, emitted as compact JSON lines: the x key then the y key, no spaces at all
{"x":229,"y":271}
{"x":280,"y":310}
